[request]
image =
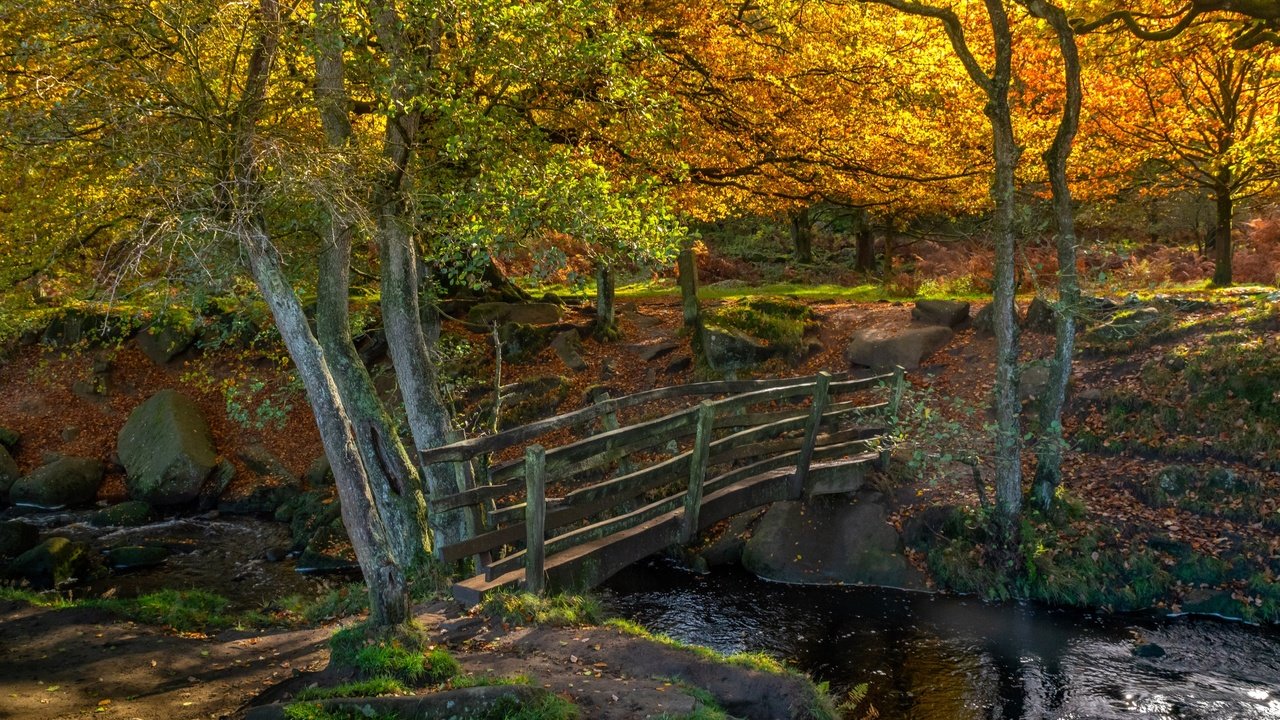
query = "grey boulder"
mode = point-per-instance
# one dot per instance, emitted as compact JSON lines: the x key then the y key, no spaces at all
{"x":65,"y":482}
{"x":886,"y":348}
{"x":166,"y":449}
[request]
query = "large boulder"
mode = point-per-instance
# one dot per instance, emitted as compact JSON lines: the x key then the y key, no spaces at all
{"x":829,"y":540}
{"x":947,"y":313}
{"x":50,"y":563}
{"x":886,"y":348}
{"x":17,"y":537}
{"x":65,"y":482}
{"x":8,"y":472}
{"x":166,"y":449}
{"x":524,"y":313}
{"x":729,"y":350}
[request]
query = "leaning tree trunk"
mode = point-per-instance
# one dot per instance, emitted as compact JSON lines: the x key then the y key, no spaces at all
{"x":606,"y":320}
{"x":1222,"y":249}
{"x":393,"y":477}
{"x":1050,"y":446}
{"x":406,"y":337}
{"x":388,"y":591}
{"x":802,"y":235}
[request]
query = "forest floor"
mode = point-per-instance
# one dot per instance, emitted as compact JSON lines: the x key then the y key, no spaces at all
{"x":77,"y":662}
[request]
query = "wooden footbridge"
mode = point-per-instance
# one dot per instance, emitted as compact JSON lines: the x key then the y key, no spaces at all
{"x":626,"y":492}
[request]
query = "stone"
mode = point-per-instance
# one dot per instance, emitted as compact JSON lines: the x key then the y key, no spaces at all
{"x":1032,"y":382}
{"x":66,"y":482}
{"x":533,"y":399}
{"x":653,"y":351}
{"x":130,"y":513}
{"x":829,"y":540}
{"x":985,"y":321}
{"x":373,"y":347}
{"x":678,"y":364}
{"x":567,"y":347}
{"x":49,"y":564}
{"x":726,"y":550}
{"x":728,"y":350}
{"x":1092,"y":396}
{"x":1041,"y":317}
{"x":1124,"y":325}
{"x":276,"y":554}
{"x":217,"y":484}
{"x":885,"y":348}
{"x":17,"y":537}
{"x":9,"y":472}
{"x":319,"y":473}
{"x":487,"y":313}
{"x":131,"y":557}
{"x":261,"y":500}
{"x":9,"y":438}
{"x":261,"y":461}
{"x":162,"y":342}
{"x":1204,"y":601}
{"x":1148,"y":650}
{"x":947,"y":313}
{"x":522,"y":342}
{"x":166,"y":450}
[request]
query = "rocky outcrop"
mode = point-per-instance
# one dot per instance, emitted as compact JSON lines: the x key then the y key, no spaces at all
{"x":17,"y":537}
{"x":887,"y":348}
{"x":166,"y":449}
{"x":501,"y":313}
{"x":65,"y":482}
{"x":9,"y":472}
{"x":947,"y":313}
{"x":830,"y":540}
{"x":568,"y":347}
{"x":49,"y":564}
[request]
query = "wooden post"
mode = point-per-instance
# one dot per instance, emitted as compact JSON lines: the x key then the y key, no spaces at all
{"x":535,"y":518}
{"x":687,"y":268}
{"x":821,"y":398}
{"x":895,"y":403}
{"x":610,"y":422}
{"x":698,"y":467}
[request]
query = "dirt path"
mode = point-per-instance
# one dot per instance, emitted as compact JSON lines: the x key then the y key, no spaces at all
{"x":77,"y":663}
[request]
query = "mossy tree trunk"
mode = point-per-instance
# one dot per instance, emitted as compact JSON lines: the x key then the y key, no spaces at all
{"x":1050,"y":444}
{"x":802,"y":235}
{"x":687,"y":266}
{"x":606,"y":319}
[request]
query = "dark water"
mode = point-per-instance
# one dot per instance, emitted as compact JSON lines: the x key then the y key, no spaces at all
{"x":929,"y":657}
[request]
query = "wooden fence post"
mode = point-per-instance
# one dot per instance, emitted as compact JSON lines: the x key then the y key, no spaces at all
{"x":610,"y":423}
{"x":821,"y":398}
{"x":535,"y":518}
{"x":895,"y":404}
{"x":698,"y":467}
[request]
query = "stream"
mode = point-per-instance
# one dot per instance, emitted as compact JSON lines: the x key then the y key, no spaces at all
{"x":932,"y":657}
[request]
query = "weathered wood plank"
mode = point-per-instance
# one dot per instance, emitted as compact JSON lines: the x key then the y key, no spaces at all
{"x":535,"y":518}
{"x":467,"y":449}
{"x":820,"y":397}
{"x":698,"y":467}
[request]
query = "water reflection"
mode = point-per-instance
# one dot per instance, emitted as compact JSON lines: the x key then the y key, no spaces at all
{"x":935,"y":658}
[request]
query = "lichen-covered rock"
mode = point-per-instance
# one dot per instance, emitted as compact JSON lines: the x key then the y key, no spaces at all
{"x":166,"y":449}
{"x":9,"y":472}
{"x":947,"y":313}
{"x":65,"y":482}
{"x":130,"y":513}
{"x":17,"y":537}
{"x":50,"y":563}
{"x":829,"y":540}
{"x":886,"y":348}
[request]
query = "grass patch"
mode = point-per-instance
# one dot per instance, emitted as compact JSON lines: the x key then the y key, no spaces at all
{"x":550,"y":707}
{"x":554,"y":610}
{"x":314,"y":711}
{"x":362,"y":688}
{"x":469,"y":681}
{"x":750,"y":660}
{"x":181,"y":610}
{"x":401,"y":656}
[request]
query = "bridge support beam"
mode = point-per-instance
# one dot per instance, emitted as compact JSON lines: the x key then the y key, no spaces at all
{"x":698,"y":468}
{"x":535,"y":518}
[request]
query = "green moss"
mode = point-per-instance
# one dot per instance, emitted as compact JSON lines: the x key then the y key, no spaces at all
{"x":362,"y":688}
{"x":779,"y":322}
{"x":555,"y":610}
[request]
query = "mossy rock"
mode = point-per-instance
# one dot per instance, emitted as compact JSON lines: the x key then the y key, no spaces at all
{"x":51,"y":563}
{"x":522,"y":342}
{"x":166,"y":449}
{"x":132,"y":557}
{"x":17,"y":537}
{"x":533,"y":399}
{"x":9,"y":438}
{"x":9,"y":472}
{"x":162,"y":341}
{"x":130,"y":513}
{"x":66,"y":482}
{"x":1165,"y":486}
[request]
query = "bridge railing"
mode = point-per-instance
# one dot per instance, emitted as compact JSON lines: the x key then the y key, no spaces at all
{"x":655,"y":465}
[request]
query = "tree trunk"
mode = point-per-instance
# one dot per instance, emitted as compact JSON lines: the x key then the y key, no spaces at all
{"x":866,"y":248}
{"x":1050,"y":447}
{"x":401,"y":315}
{"x":1008,"y":465}
{"x":1222,"y":249}
{"x":393,"y":478}
{"x":388,"y":591}
{"x":606,"y":322}
{"x":802,"y":235}
{"x":687,"y":266}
